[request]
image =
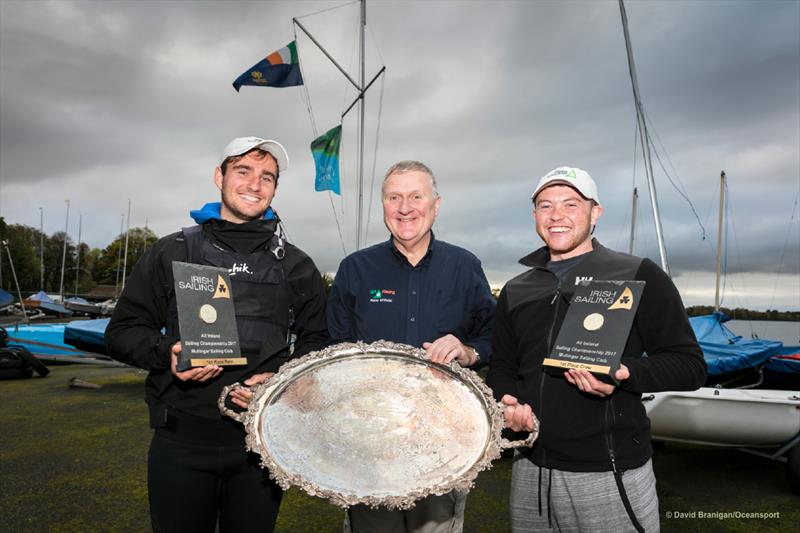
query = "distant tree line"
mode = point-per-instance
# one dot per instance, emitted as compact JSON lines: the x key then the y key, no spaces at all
{"x":104,"y":267}
{"x":92,"y":267}
{"x":739,"y":313}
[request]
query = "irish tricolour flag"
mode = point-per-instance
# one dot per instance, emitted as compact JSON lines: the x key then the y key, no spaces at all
{"x":279,"y":69}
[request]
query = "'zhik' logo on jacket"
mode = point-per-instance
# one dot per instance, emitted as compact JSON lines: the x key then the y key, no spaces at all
{"x":239,"y":268}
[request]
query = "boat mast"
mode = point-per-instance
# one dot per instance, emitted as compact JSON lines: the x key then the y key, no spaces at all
{"x":64,"y":257}
{"x":119,"y":255}
{"x":635,"y":204}
{"x":127,"y":236}
{"x":362,"y":89}
{"x":16,"y":282}
{"x":719,"y":235}
{"x":645,"y":140}
{"x":361,"y":113}
{"x":78,"y":254}
{"x":41,"y":249}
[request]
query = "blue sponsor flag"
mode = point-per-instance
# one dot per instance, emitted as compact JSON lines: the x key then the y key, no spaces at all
{"x":325,"y":150}
{"x":279,"y":69}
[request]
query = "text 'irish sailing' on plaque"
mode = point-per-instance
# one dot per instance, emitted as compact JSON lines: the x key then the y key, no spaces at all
{"x":206,"y":317}
{"x":596,"y":327}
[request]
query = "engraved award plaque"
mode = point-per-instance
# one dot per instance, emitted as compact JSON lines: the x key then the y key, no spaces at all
{"x":596,"y":327}
{"x":206,"y":317}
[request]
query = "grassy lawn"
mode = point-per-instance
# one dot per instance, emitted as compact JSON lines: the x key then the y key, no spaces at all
{"x":74,"y":460}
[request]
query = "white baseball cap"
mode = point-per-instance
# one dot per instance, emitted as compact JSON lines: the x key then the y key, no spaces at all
{"x":578,"y":179}
{"x":241,"y":145}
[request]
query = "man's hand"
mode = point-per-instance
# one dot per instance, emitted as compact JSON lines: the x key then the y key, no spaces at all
{"x":449,"y":348}
{"x":585,"y":381}
{"x":518,"y":416}
{"x":200,"y":373}
{"x":241,"y":396}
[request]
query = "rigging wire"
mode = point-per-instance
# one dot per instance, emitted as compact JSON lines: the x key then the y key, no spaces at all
{"x":305,"y":88}
{"x":375,"y":157}
{"x":629,"y":214}
{"x":327,"y":9}
{"x":783,"y":252}
{"x":663,"y":168}
{"x":728,"y":211}
{"x":316,"y":134}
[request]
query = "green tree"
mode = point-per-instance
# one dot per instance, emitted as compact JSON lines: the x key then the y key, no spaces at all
{"x":18,"y":242}
{"x":107,"y":269}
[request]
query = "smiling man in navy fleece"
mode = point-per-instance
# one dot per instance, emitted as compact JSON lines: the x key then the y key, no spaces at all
{"x":420,"y":291}
{"x":590,"y":469}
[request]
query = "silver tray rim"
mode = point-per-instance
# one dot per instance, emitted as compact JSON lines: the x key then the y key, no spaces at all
{"x":263,"y":393}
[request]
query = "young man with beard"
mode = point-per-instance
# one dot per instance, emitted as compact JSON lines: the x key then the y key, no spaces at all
{"x":417,"y":290}
{"x":590,"y":469}
{"x":199,"y":473}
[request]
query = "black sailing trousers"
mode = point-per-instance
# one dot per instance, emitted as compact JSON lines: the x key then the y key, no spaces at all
{"x":198,"y":475}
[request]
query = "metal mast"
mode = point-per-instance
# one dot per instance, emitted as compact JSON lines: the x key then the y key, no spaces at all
{"x":361,"y":113}
{"x":645,"y":139}
{"x":64,"y":256}
{"x":119,"y":254}
{"x":78,"y":254}
{"x":127,"y":236}
{"x":41,"y":249}
{"x":719,"y":235}
{"x":635,"y":204}
{"x":362,"y":88}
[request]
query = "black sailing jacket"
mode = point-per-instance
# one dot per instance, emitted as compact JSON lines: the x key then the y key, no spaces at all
{"x":134,"y":335}
{"x":581,"y":432}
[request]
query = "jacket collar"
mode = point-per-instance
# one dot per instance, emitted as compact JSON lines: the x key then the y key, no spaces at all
{"x":211,"y":211}
{"x":540,"y":257}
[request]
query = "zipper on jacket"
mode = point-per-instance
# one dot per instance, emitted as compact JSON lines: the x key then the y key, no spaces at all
{"x":549,"y":348}
{"x":609,"y":436}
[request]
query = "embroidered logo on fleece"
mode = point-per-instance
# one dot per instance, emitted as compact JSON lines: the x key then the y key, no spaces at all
{"x":382,"y":295}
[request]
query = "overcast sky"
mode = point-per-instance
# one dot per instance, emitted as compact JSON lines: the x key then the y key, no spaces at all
{"x":101,"y":102}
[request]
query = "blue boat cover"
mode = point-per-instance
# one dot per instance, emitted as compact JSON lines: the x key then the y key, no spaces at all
{"x":787,"y":360}
{"x":54,"y":309}
{"x":40,"y":296}
{"x":46,"y":339}
{"x":725,"y":351}
{"x":5,"y":298}
{"x":87,"y":333}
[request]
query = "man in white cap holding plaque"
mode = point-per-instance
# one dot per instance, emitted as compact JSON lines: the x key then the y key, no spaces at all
{"x":590,"y":469}
{"x":199,"y":474}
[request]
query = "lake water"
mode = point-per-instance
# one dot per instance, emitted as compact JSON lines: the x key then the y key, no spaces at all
{"x":787,"y":332}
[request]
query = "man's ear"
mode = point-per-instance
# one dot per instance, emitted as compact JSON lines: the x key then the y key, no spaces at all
{"x":597,"y":210}
{"x":218,"y":177}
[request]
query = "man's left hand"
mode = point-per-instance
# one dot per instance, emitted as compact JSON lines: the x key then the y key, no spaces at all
{"x":241,"y":396}
{"x":586,"y":382}
{"x":449,"y":348}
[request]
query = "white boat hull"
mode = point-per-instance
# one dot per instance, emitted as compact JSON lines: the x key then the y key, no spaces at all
{"x":725,"y":417}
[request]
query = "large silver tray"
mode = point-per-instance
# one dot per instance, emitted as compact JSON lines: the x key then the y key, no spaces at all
{"x":377,"y":424}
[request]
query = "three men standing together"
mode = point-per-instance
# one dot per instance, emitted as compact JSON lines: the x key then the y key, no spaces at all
{"x":590,"y":469}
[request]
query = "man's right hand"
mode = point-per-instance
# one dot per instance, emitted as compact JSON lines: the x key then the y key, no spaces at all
{"x":200,"y":373}
{"x":518,"y":416}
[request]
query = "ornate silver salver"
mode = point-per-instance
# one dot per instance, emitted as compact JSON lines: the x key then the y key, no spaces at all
{"x":377,"y":424}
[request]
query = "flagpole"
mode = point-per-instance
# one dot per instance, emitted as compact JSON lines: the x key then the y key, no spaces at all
{"x":361,"y":113}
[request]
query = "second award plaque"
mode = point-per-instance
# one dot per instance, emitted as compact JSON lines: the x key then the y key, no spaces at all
{"x":206,"y":317}
{"x":596,"y":328}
